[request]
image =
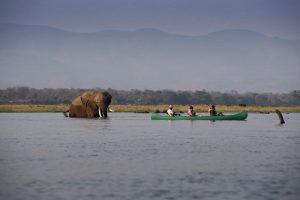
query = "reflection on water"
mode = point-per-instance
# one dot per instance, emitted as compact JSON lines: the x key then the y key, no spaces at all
{"x":128,"y":156}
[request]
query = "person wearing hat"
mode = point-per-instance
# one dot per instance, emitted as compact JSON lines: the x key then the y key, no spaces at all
{"x":170,"y":111}
{"x":191,"y":112}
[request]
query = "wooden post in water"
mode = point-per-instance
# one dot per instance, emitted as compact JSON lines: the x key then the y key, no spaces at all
{"x":279,"y":114}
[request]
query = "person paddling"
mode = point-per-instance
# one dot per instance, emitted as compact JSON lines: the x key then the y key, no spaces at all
{"x":170,"y":111}
{"x":212,"y":111}
{"x":191,"y":112}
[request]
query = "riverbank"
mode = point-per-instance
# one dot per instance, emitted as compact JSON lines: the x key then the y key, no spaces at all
{"x":8,"y":108}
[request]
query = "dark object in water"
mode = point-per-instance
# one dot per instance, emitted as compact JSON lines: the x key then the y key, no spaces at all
{"x":279,"y":114}
{"x":66,"y":113}
{"x":242,"y":105}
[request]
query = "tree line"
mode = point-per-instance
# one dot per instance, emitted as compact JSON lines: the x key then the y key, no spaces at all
{"x":50,"y":96}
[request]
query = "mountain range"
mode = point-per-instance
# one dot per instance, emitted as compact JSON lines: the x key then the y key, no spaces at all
{"x":241,"y":60}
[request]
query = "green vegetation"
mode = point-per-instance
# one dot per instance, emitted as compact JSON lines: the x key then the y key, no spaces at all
{"x":24,"y":99}
{"x":150,"y":108}
{"x":48,"y":96}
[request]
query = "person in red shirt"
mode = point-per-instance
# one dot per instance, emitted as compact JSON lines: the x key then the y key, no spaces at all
{"x":212,"y":110}
{"x":191,"y":112}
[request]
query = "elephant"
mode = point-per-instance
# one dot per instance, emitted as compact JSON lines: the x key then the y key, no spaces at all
{"x":90,"y":105}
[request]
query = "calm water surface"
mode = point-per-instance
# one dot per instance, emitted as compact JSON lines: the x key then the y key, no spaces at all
{"x":128,"y":156}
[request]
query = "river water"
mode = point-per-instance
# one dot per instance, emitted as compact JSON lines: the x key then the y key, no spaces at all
{"x":128,"y":156}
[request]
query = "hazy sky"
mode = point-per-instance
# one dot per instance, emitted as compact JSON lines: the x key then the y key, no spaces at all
{"x":193,"y":17}
{"x":279,"y":63}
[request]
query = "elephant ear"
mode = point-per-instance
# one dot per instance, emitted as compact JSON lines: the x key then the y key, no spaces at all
{"x":92,"y":105}
{"x":89,"y":104}
{"x":103,"y":97}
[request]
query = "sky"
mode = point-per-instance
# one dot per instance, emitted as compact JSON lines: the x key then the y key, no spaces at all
{"x":279,"y":18}
{"x":273,"y":18}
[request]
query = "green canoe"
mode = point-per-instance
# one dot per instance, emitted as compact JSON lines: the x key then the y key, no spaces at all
{"x":239,"y":116}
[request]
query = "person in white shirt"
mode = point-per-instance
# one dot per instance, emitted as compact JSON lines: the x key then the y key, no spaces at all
{"x":170,"y":111}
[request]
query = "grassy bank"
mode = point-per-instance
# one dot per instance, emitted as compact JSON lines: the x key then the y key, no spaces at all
{"x":33,"y":108}
{"x":149,"y":108}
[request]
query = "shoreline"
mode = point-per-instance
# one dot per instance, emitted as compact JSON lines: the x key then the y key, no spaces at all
{"x":22,"y":108}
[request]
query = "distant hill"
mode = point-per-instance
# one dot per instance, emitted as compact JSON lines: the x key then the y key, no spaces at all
{"x":243,"y":60}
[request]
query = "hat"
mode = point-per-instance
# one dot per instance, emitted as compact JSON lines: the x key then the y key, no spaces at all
{"x":170,"y":106}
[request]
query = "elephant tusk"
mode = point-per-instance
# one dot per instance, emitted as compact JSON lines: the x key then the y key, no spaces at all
{"x":100,"y":113}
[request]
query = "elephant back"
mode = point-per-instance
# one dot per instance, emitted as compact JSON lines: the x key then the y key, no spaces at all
{"x":77,"y":101}
{"x":98,"y":97}
{"x":89,"y":95}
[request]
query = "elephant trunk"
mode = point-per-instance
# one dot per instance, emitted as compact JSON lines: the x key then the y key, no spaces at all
{"x":104,"y":112}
